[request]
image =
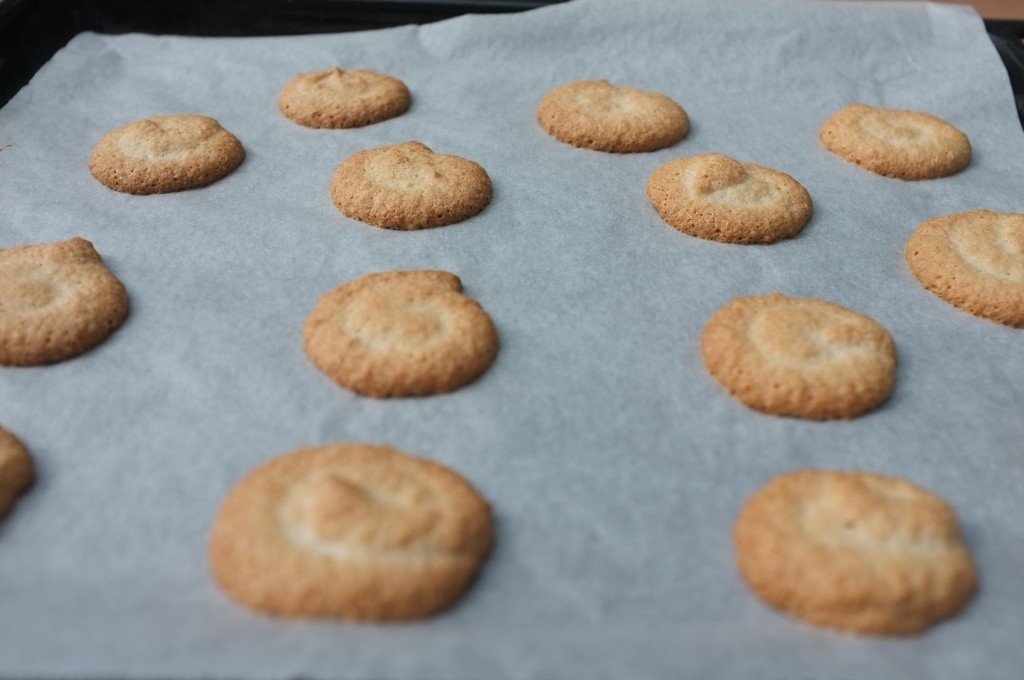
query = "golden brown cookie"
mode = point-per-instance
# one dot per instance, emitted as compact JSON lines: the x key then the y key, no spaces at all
{"x":401,"y":334}
{"x":408,"y":186}
{"x":165,"y":153}
{"x":973,"y":260}
{"x":350,"y":531}
{"x":343,"y":99}
{"x":16,"y":470}
{"x":56,"y":301}
{"x":895,"y":143}
{"x":717,"y":198}
{"x":799,"y":357}
{"x":854,"y":551}
{"x":594,"y":114}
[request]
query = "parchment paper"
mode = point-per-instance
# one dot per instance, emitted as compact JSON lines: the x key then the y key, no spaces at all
{"x":615,"y":464}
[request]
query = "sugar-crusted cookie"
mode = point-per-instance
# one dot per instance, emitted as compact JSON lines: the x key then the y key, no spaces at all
{"x":594,"y":114}
{"x":714,"y":197}
{"x":401,"y":334}
{"x":896,"y":143}
{"x":350,"y":531}
{"x":165,"y":153}
{"x":56,"y":301}
{"x":408,"y":186}
{"x":16,"y":470}
{"x":854,"y":551}
{"x":343,"y":99}
{"x":973,"y":260}
{"x":799,"y":357}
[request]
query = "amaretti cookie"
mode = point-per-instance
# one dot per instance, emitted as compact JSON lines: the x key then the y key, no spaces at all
{"x":904,"y":144}
{"x":799,"y":357}
{"x":343,"y":99}
{"x":16,"y":470}
{"x":165,"y":153}
{"x":854,"y":551}
{"x":714,"y":197}
{"x":408,"y":186}
{"x":350,"y":531}
{"x":57,"y":300}
{"x":973,"y":260}
{"x":401,"y":334}
{"x":594,"y":114}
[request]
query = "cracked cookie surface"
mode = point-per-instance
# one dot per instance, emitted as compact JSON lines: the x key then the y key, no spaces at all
{"x":908,"y":145}
{"x":715,"y":197}
{"x":401,"y":334}
{"x":352,"y":531}
{"x":854,"y":551}
{"x":797,"y":357}
{"x":343,"y":99}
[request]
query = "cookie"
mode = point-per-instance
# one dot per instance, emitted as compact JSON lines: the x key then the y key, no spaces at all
{"x":973,"y":260}
{"x":343,"y":99}
{"x":799,"y":357}
{"x":57,"y":300}
{"x":162,"y":154}
{"x":854,"y":551}
{"x":16,"y":470}
{"x":408,"y":186}
{"x":714,"y":197}
{"x":895,"y":143}
{"x":594,"y":114}
{"x":401,"y":334}
{"x":350,"y":531}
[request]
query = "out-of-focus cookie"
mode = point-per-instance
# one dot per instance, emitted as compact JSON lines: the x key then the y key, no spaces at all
{"x":16,"y":470}
{"x":854,"y":551}
{"x":343,"y":99}
{"x":408,"y":186}
{"x":594,"y":114}
{"x":401,"y":334}
{"x":162,"y":154}
{"x":350,"y":531}
{"x":904,"y":144}
{"x":714,"y":197}
{"x":799,"y":357}
{"x":57,"y":300}
{"x":973,"y":260}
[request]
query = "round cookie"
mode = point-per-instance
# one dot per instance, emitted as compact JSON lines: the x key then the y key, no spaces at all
{"x":16,"y":470}
{"x":401,"y":334}
{"x":350,"y":531}
{"x":408,"y":186}
{"x":343,"y":99}
{"x":854,"y":551}
{"x":896,"y":143}
{"x":799,"y":357}
{"x":162,"y":154}
{"x":57,"y":300}
{"x":714,"y":197}
{"x":973,"y":260}
{"x":594,"y":114}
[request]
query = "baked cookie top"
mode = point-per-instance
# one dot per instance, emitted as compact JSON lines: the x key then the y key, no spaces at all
{"x":973,"y":260}
{"x":594,"y":114}
{"x":408,"y":186}
{"x":343,"y":99}
{"x":165,"y":153}
{"x":854,"y":551}
{"x":401,"y":334}
{"x":350,"y":531}
{"x":16,"y":470}
{"x":904,"y":144}
{"x":799,"y":357}
{"x":714,"y":197}
{"x":57,"y":300}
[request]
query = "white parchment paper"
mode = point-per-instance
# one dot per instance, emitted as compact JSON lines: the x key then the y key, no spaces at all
{"x":615,"y":464}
